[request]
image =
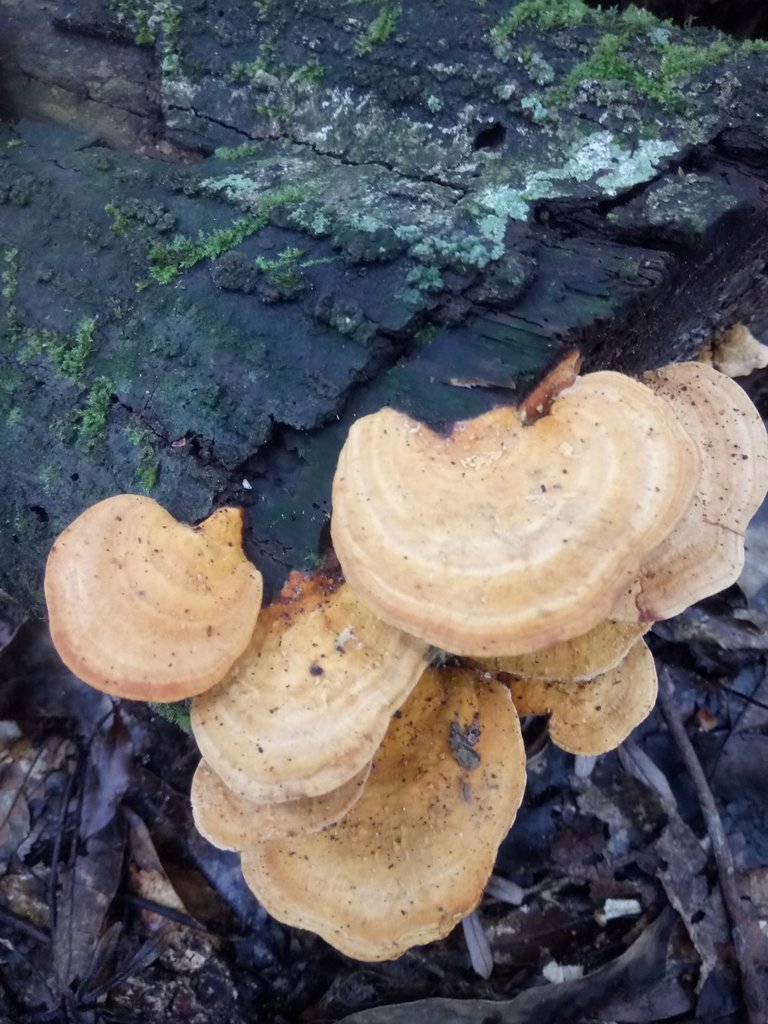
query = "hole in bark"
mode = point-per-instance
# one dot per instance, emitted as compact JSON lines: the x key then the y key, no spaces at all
{"x":40,"y":512}
{"x":490,"y":137}
{"x":75,"y":477}
{"x":743,"y":19}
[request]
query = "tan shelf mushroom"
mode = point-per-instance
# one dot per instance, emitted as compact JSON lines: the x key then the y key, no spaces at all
{"x":704,"y":553}
{"x":413,"y":855}
{"x":307,"y":705}
{"x":503,"y":538}
{"x":583,"y":657}
{"x":232,"y":822}
{"x":144,"y":607}
{"x":595,"y":716}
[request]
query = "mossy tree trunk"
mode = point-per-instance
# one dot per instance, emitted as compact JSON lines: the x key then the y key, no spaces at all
{"x":227,"y":230}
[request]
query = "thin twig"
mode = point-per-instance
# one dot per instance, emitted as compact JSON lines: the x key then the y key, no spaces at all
{"x":53,"y":910}
{"x":752,"y":992}
{"x":19,"y":924}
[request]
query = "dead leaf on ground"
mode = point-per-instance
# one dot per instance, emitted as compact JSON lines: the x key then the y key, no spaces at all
{"x":647,"y":970}
{"x":681,"y":870}
{"x":108,"y":774}
{"x":88,"y":886}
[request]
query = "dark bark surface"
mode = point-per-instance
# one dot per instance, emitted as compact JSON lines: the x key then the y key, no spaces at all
{"x":226,"y":233}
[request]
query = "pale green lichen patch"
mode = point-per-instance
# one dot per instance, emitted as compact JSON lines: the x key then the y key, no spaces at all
{"x":600,"y":160}
{"x":683,"y":208}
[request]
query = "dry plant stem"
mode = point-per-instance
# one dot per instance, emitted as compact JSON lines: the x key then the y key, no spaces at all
{"x":24,"y":927}
{"x":754,"y":1000}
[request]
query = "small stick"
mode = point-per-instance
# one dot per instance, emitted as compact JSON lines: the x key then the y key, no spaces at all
{"x":7,"y":917}
{"x":752,"y":991}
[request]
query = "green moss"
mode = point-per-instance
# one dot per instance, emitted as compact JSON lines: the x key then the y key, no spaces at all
{"x":138,"y":212}
{"x":13,"y":419}
{"x":544,"y":15}
{"x":283,"y":269}
{"x":239,"y":152}
{"x":176,"y":713}
{"x":70,"y":358}
{"x":613,"y":59}
{"x":35,"y":342}
{"x":679,"y":60}
{"x":636,"y":20}
{"x":612,"y":62}
{"x":147,"y":469}
{"x":311,"y":73}
{"x":68,"y":355}
{"x":136,"y":16}
{"x":255,"y":72}
{"x":90,"y":422}
{"x":10,"y":275}
{"x":168,"y":260}
{"x":153,"y":22}
{"x":381,"y":28}
{"x":121,"y":224}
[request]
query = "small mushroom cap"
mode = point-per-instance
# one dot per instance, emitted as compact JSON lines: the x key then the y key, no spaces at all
{"x":413,"y":855}
{"x":704,"y":553}
{"x":737,"y":352}
{"x":144,"y":607}
{"x":503,"y":538}
{"x":231,"y":822}
{"x":595,"y":716}
{"x":580,"y":658}
{"x":309,"y":702}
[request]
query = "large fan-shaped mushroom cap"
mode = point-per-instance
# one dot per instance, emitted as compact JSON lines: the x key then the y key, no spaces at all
{"x":142,"y":606}
{"x":503,"y":538}
{"x":704,"y":553}
{"x":413,"y":855}
{"x":307,"y":705}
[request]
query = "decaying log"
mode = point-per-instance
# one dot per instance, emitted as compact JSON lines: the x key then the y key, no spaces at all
{"x":227,"y":230}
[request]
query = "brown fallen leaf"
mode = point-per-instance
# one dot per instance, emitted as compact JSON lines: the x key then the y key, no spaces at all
{"x":647,"y":971}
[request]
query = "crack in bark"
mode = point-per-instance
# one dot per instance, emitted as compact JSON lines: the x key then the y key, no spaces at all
{"x":340,"y":158}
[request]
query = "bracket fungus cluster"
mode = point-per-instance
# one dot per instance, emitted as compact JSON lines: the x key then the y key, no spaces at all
{"x":366,"y":791}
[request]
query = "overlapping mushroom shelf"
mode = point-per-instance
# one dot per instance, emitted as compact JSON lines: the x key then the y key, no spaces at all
{"x":505,"y":537}
{"x":367,"y":790}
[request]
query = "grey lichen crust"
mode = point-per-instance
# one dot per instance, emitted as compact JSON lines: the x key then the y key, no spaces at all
{"x":325,"y":209}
